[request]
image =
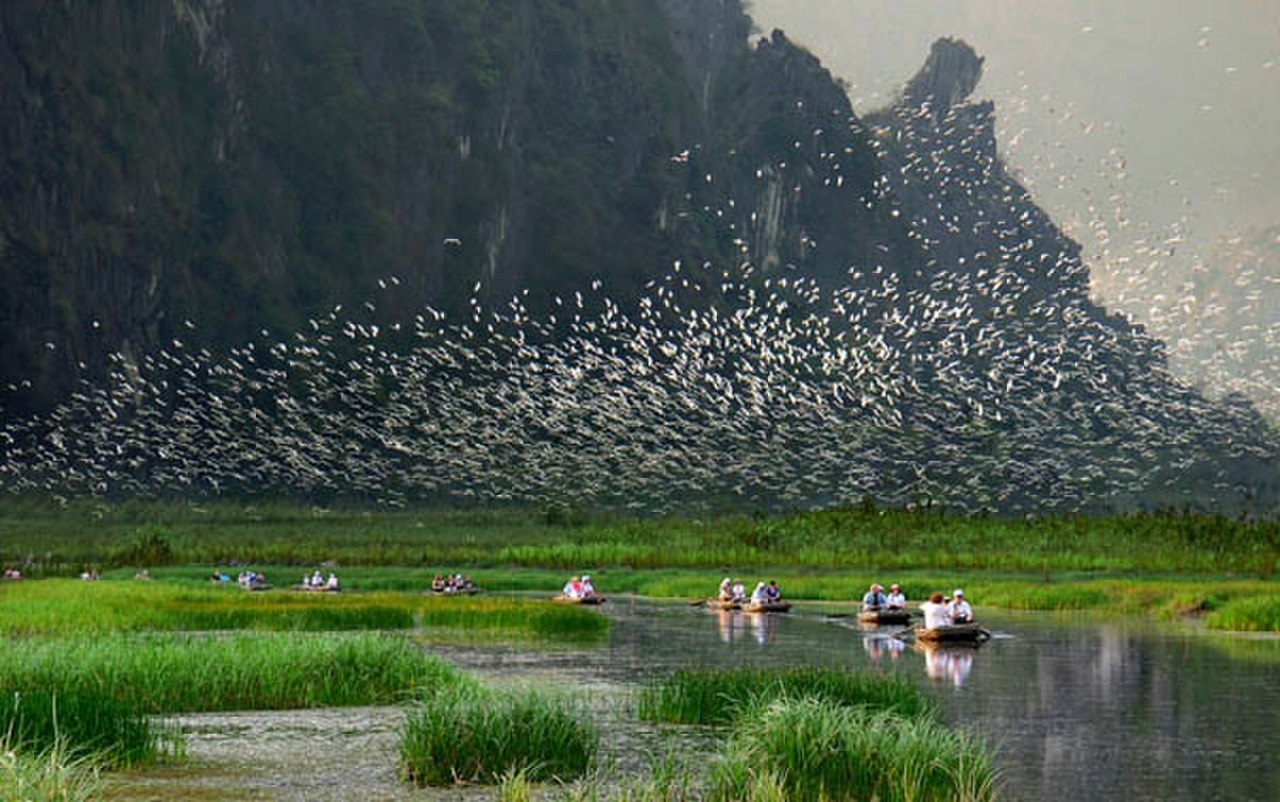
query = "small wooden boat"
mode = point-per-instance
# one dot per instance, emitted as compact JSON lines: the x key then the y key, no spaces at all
{"x":563,"y":599}
{"x":722,"y":604}
{"x":315,"y":588}
{"x":471,"y":591}
{"x":885,"y":616}
{"x":955,"y":633}
{"x":256,"y":585}
{"x":766,"y":607}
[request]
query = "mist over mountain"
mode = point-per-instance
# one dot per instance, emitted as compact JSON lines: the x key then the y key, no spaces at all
{"x":539,"y":216}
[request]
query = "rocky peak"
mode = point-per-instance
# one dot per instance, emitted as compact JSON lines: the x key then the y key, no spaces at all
{"x":948,"y":77}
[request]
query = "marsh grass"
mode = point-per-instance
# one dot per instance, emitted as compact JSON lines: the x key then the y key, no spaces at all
{"x":711,"y":696}
{"x":71,"y":606}
{"x":1257,"y":614}
{"x":45,"y":536}
{"x":478,"y":735}
{"x":83,"y":725}
{"x":52,"y":775}
{"x":807,"y":750}
{"x":144,"y":674}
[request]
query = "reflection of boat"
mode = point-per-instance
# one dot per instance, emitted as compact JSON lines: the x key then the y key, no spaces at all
{"x":563,"y":599}
{"x":955,"y":633}
{"x":766,"y":607}
{"x":898,"y":616}
{"x":949,"y":661}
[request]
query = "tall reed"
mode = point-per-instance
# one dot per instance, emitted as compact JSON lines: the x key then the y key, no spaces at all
{"x":817,"y":752}
{"x":481,"y":736}
{"x":164,"y":673}
{"x":82,"y":725}
{"x":714,"y":696}
{"x":53,"y":775}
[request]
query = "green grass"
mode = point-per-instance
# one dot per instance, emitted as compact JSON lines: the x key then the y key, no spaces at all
{"x":1247,"y":615}
{"x":47,"y":537}
{"x":85,"y":724}
{"x":49,"y":776}
{"x":713,"y":696}
{"x":484,"y":736}
{"x":807,"y":750}
{"x":157,"y":674}
{"x":72,"y":606}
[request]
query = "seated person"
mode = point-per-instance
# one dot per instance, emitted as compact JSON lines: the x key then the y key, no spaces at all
{"x":759,"y":595}
{"x":332,"y":583}
{"x":739,"y":591}
{"x":895,"y":600}
{"x":959,"y":609}
{"x":726,"y":590}
{"x":935,"y":612}
{"x":588,"y":589}
{"x":874,"y":599}
{"x":573,"y":588}
{"x":437,"y":584}
{"x":772,"y":592}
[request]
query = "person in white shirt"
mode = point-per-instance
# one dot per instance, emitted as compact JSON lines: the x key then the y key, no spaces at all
{"x":959,"y":609}
{"x":573,"y":588}
{"x":726,"y":589}
{"x":587,"y":588}
{"x":935,"y":612}
{"x":739,"y":591}
{"x":759,"y":595}
{"x":895,"y":600}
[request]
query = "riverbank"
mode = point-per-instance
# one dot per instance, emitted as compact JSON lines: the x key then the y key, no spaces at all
{"x":1217,"y":571}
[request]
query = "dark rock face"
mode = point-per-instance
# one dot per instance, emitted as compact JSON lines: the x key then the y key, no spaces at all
{"x":199,"y":171}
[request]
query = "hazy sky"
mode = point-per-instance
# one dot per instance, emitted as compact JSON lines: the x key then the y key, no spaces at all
{"x":1127,"y":119}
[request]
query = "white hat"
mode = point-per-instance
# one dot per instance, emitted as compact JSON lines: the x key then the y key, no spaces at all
{"x":585,"y":577}
{"x":958,"y":592}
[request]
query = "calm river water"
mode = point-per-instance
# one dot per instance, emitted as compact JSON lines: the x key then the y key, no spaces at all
{"x":1076,"y":709}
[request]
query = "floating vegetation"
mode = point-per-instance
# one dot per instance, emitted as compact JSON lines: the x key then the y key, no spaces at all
{"x":716,"y":696}
{"x":497,"y":737}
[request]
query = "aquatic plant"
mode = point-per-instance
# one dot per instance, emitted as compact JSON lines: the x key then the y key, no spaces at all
{"x":811,"y":750}
{"x":481,"y":735}
{"x":52,"y":775}
{"x":150,"y":674}
{"x":714,"y":696}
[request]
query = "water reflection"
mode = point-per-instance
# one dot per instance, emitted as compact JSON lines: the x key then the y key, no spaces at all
{"x":736,"y":625}
{"x":947,"y":663}
{"x":878,"y":647}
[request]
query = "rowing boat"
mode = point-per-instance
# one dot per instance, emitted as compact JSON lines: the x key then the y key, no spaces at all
{"x":722,"y":604}
{"x":766,"y":607}
{"x":897,"y":616}
{"x":563,"y":599}
{"x":954,"y":633}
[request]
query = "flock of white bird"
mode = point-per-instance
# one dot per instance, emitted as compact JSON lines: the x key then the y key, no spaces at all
{"x":974,"y":390}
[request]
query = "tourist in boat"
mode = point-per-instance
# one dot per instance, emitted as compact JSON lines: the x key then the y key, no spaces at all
{"x":739,"y":592}
{"x":437,"y":584}
{"x":759,"y":596}
{"x":959,"y":610}
{"x":772,"y":592}
{"x":895,"y":600}
{"x":317,"y":580}
{"x":935,"y":612}
{"x":588,"y":589}
{"x":726,"y":590}
{"x":332,"y":583}
{"x":874,"y":599}
{"x":573,"y":588}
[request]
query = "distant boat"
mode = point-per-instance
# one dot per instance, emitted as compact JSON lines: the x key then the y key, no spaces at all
{"x":885,"y":616}
{"x":766,"y":607}
{"x":563,"y":599}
